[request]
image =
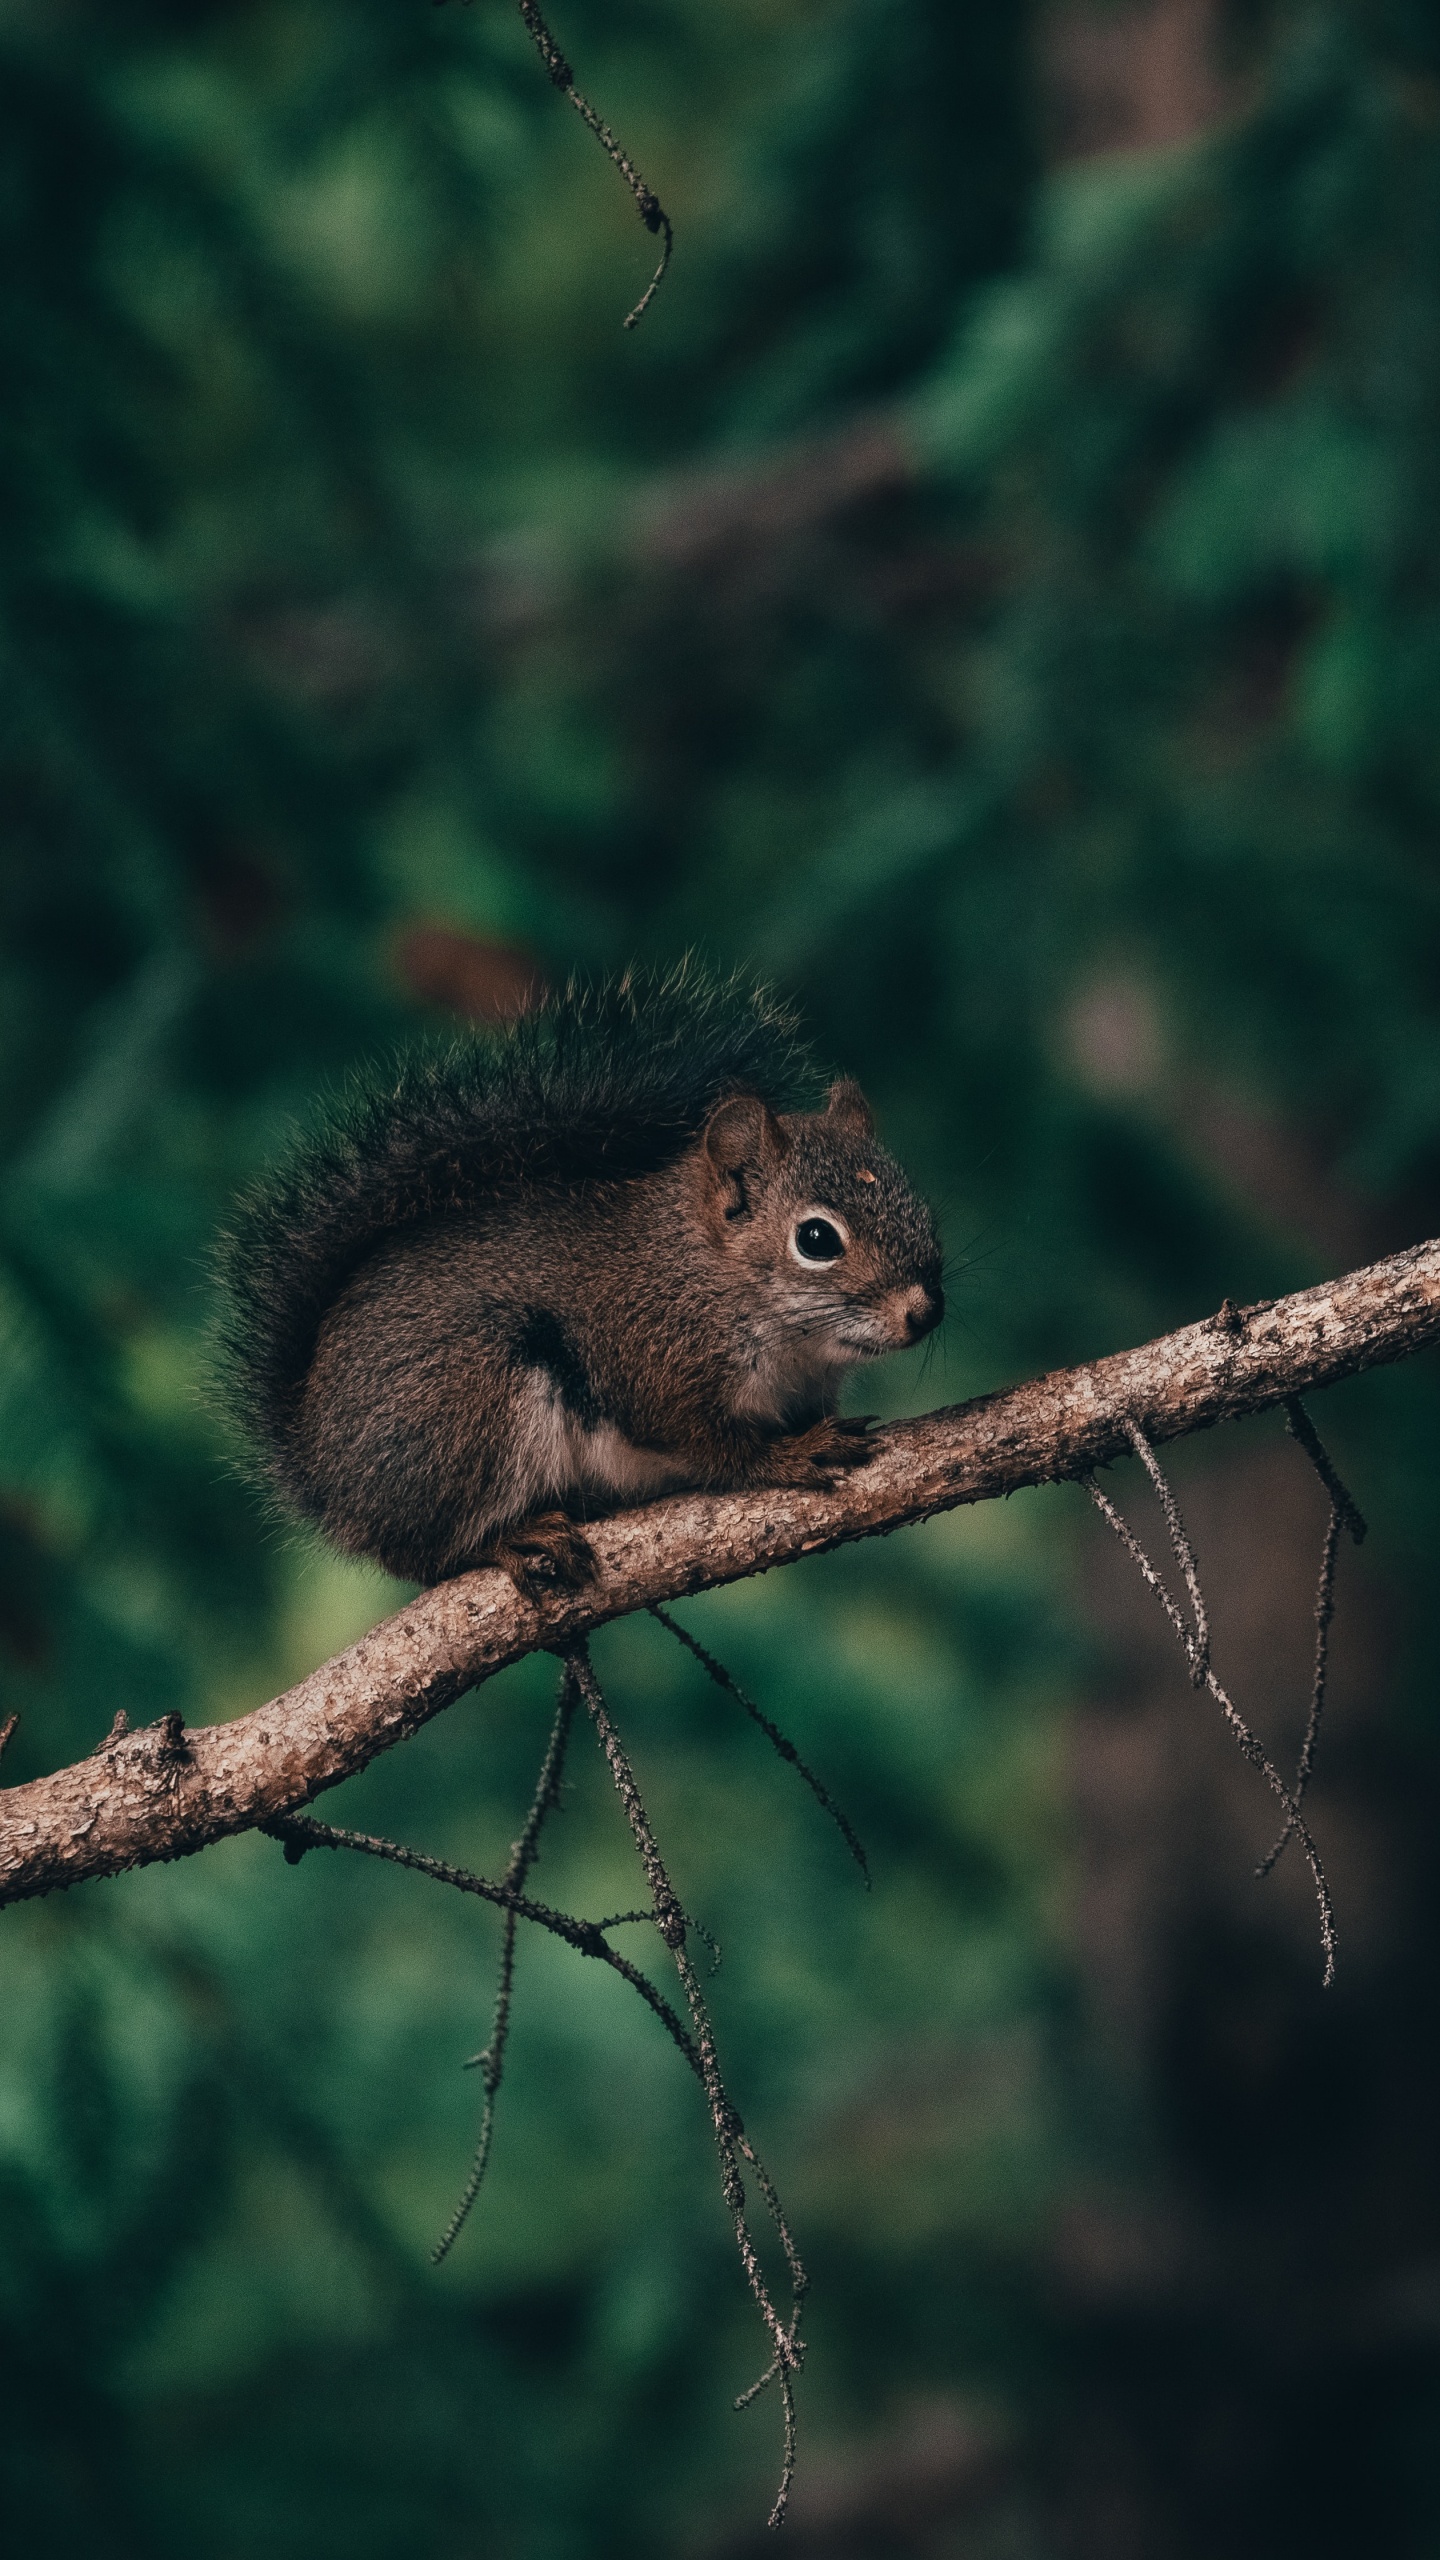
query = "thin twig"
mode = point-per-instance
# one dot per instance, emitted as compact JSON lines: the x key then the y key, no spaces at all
{"x":491,"y":2063}
{"x":696,"y":1928}
{"x":7,"y":1730}
{"x":1249,"y":1742}
{"x":1344,"y":1514}
{"x":730,"y":2138}
{"x":1324,"y":1612}
{"x":647,"y":204}
{"x":299,"y":1832}
{"x":1197,"y":1648}
{"x":780,"y":1741}
{"x":1301,"y":1428}
{"x":1141,"y":1560}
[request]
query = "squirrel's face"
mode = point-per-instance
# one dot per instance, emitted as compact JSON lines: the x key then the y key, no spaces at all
{"x":841,"y":1252}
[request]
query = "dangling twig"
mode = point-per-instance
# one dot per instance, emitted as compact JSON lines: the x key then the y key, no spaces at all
{"x":697,"y":1929}
{"x":1344,"y":1514}
{"x":1198,"y":1646}
{"x":730,"y":2138}
{"x":1301,"y":1428}
{"x":780,"y":1741}
{"x":299,"y":1832}
{"x":1195,"y":1647}
{"x":1324,"y":1611}
{"x":647,"y":204}
{"x":7,"y":1730}
{"x":491,"y":2063}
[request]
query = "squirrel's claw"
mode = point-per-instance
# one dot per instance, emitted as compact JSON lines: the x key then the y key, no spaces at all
{"x":844,"y":1440}
{"x":827,"y":1449}
{"x":544,"y":1555}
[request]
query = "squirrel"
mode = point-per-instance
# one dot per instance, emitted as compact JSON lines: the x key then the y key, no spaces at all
{"x":602,"y":1254}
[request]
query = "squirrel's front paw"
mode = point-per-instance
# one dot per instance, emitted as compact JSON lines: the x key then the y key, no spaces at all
{"x":827,"y":1449}
{"x":544,"y":1555}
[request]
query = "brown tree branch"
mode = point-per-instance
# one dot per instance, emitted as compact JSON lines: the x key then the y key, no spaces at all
{"x":166,"y":1791}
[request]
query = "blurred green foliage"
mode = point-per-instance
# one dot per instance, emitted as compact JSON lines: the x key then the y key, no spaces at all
{"x":1006,"y":607}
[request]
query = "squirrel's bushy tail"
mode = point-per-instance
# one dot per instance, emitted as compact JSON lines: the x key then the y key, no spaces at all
{"x":598,"y":1083}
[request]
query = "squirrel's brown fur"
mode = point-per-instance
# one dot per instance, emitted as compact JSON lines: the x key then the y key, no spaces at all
{"x":563,"y":1269}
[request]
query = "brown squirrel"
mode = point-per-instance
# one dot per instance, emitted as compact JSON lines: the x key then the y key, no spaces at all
{"x":559,"y":1269}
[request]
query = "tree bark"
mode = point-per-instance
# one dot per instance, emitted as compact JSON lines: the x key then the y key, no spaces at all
{"x":166,"y":1791}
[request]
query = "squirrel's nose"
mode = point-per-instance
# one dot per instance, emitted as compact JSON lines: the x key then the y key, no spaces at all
{"x":920,"y":1310}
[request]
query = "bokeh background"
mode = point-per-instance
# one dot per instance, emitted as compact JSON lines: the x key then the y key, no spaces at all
{"x":997,"y":594}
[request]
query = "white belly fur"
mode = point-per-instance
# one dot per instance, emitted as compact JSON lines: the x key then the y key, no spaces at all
{"x":551,"y":1455}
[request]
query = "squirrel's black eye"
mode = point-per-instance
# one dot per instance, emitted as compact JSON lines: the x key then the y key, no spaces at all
{"x":817,"y":1241}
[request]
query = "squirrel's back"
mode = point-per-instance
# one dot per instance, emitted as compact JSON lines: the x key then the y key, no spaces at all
{"x":599,"y":1084}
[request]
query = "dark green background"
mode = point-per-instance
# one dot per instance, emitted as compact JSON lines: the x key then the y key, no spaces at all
{"x":1002,"y":603}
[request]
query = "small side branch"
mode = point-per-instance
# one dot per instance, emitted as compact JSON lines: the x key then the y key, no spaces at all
{"x":1301,"y":1428}
{"x":1343,"y":1515}
{"x":647,"y":204}
{"x":731,"y":2140}
{"x":779,"y":1742}
{"x":491,"y":2063}
{"x":298,"y":1834}
{"x":1195,"y":1645}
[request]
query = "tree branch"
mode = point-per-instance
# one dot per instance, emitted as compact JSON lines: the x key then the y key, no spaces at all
{"x":166,"y":1791}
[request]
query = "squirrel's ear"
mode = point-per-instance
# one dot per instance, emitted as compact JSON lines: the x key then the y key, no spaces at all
{"x":742,"y":1136}
{"x":848,"y":1107}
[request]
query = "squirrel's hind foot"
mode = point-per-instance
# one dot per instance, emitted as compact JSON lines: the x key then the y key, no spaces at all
{"x":543,"y":1555}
